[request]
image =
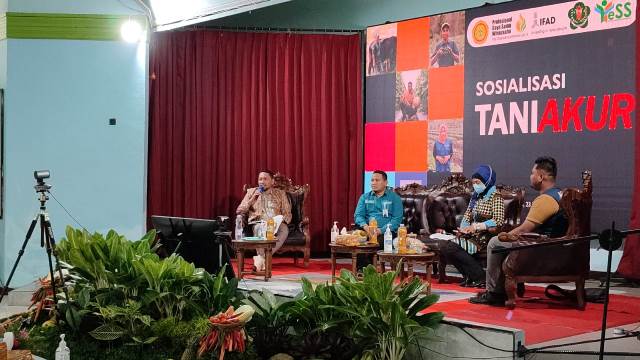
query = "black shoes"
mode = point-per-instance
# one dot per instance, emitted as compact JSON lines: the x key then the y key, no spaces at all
{"x":489,"y":298}
{"x":479,"y":284}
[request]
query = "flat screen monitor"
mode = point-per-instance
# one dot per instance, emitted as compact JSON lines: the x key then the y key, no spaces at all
{"x":196,"y":240}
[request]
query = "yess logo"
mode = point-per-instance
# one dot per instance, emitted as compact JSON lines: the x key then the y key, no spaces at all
{"x":609,"y":11}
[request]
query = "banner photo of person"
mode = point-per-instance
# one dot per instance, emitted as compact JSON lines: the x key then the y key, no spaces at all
{"x":503,"y":85}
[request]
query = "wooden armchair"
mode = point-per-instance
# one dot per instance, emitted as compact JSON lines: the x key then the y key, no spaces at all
{"x":299,"y":239}
{"x":563,"y":263}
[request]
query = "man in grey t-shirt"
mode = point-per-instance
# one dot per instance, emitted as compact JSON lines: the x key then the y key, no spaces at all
{"x":446,"y":52}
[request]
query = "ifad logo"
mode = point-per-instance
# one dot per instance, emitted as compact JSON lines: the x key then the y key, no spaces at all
{"x":609,"y":10}
{"x":579,"y":15}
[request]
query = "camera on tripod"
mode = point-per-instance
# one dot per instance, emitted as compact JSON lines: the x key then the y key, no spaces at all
{"x":46,"y":240}
{"x":40,"y":175}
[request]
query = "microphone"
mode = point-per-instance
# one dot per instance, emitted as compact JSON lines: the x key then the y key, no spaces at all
{"x":261,"y":189}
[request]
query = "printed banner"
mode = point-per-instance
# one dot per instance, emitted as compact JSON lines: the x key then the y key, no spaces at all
{"x":567,"y":18}
{"x":503,"y":85}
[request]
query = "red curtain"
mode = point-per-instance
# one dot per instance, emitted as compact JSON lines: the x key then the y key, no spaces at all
{"x":630,"y":263}
{"x":224,"y":105}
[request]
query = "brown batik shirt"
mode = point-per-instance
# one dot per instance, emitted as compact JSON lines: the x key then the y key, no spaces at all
{"x":273,"y":199}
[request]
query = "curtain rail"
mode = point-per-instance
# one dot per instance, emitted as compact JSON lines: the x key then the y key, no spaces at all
{"x":272,"y":29}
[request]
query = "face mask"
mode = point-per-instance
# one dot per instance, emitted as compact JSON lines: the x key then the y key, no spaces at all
{"x":479,"y":188}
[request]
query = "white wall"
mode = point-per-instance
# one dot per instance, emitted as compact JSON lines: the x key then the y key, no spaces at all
{"x":60,"y":95}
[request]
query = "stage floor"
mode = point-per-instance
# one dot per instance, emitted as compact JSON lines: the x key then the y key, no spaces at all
{"x":540,"y":319}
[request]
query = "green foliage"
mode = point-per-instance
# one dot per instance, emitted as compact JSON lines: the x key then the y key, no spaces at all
{"x":140,"y":306}
{"x":107,"y":332}
{"x":270,"y":323}
{"x":321,"y":330}
{"x":43,"y":342}
{"x":370,"y":319}
{"x":400,"y":89}
{"x":113,"y":271}
{"x":382,"y":310}
{"x":121,"y":287}
{"x":422,"y":90}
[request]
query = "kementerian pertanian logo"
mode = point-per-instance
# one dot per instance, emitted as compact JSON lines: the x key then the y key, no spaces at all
{"x":579,"y":15}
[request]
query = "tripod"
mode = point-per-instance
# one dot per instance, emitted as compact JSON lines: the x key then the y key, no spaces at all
{"x":47,"y":239}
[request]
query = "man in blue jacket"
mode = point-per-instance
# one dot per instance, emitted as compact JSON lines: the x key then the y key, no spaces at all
{"x":381,"y":203}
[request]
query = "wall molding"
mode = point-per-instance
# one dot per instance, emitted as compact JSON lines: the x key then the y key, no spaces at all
{"x":14,"y":25}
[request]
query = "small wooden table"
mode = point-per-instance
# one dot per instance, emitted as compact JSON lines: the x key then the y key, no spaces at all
{"x":410,"y":260}
{"x":354,"y":251}
{"x":242,"y":245}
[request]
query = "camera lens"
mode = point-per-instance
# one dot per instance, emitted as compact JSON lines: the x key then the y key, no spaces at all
{"x":41,"y":174}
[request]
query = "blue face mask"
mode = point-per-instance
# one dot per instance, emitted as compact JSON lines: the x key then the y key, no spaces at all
{"x":479,"y":188}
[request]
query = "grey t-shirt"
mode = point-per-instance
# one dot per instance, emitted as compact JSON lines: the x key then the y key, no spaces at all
{"x":446,"y":58}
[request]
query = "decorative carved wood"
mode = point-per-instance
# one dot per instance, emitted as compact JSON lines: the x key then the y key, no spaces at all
{"x":577,"y":205}
{"x":455,"y":184}
{"x":285,"y":183}
{"x":413,"y":189}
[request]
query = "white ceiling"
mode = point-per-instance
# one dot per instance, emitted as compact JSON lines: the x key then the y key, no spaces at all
{"x":171,"y":14}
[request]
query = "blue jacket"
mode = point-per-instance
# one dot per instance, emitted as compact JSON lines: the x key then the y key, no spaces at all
{"x":371,"y":205}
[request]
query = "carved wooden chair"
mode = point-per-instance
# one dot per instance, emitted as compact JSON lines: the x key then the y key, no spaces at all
{"x":564,"y":263}
{"x":441,"y":207}
{"x":299,"y":239}
{"x":415,"y":199}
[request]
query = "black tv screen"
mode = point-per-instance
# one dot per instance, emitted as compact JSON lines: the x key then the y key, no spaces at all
{"x":195,"y":240}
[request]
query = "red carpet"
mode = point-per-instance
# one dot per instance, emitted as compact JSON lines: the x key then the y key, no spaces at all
{"x":541,"y":319}
{"x":544,"y":319}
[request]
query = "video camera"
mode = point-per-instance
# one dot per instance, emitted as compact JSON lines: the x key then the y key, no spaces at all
{"x":40,"y":175}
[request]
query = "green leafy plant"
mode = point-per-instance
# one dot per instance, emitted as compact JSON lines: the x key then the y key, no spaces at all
{"x":120,"y":288}
{"x":270,"y":324}
{"x":124,"y":320}
{"x":370,"y":319}
{"x":123,"y":294}
{"x":113,"y":271}
{"x":321,"y":330}
{"x":385,"y":311}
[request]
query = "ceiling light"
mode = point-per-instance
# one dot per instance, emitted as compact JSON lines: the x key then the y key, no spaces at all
{"x":131,"y":31}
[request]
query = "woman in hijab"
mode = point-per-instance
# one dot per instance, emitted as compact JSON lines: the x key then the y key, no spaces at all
{"x":486,"y":208}
{"x":483,"y":216}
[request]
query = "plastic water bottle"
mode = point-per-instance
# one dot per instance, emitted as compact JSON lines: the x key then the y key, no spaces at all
{"x":262,"y":233}
{"x":239,"y":228}
{"x":62,"y":352}
{"x":388,"y":240}
{"x":8,"y":339}
{"x":334,"y":232}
